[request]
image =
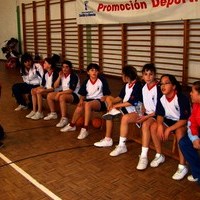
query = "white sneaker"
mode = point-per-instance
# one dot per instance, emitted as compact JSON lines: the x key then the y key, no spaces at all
{"x":192,"y":179}
{"x":63,"y":122}
{"x":118,"y":150}
{"x":83,"y":134}
{"x":68,"y":128}
{"x":157,"y":161}
{"x":37,"y":116}
{"x":21,"y":107}
{"x":104,"y":143}
{"x":52,"y":115}
{"x":30,"y":114}
{"x":142,"y":164}
{"x":180,"y":173}
{"x":111,"y":114}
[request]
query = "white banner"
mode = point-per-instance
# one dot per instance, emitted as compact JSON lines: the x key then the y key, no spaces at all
{"x":132,"y":11}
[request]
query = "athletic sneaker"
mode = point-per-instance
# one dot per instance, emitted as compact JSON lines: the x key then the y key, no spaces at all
{"x":52,"y":115}
{"x":142,"y":164}
{"x":30,"y":114}
{"x":180,"y":173}
{"x":157,"y":161}
{"x":63,"y":122}
{"x":118,"y":150}
{"x":104,"y":143}
{"x":83,"y":134}
{"x":21,"y":107}
{"x":192,"y":179}
{"x":68,"y":128}
{"x":38,"y":115}
{"x":111,"y":114}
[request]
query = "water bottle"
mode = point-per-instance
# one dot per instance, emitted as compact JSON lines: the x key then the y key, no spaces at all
{"x":138,"y":108}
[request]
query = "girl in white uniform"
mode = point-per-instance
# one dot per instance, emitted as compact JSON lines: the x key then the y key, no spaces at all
{"x":41,"y":92}
{"x":173,"y":111}
{"x":125,"y":103}
{"x":32,"y":74}
{"x":150,"y":94}
{"x":93,"y":92}
{"x":67,"y":86}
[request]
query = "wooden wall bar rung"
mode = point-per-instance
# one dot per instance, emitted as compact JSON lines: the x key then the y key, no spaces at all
{"x":136,"y":43}
{"x":35,"y":27}
{"x":48,"y":28}
{"x":80,"y":46}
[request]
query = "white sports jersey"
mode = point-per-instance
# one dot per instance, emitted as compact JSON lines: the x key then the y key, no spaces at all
{"x":131,"y":93}
{"x":149,"y":96}
{"x":172,"y":108}
{"x":128,"y":93}
{"x":175,"y":109}
{"x":65,"y":82}
{"x":95,"y":90}
{"x":70,"y":82}
{"x":34,"y":75}
{"x":48,"y":78}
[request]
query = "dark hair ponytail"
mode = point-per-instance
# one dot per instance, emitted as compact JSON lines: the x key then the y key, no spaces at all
{"x":130,"y":72}
{"x":51,"y":62}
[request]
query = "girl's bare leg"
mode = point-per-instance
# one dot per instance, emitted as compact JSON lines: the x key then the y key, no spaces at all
{"x":109,"y":127}
{"x":77,"y":113}
{"x":39,"y":100}
{"x":155,"y":138}
{"x":89,"y":107}
{"x":146,"y":134}
{"x":63,"y":100}
{"x":125,"y":121}
{"x":34,"y":99}
{"x":180,"y":132}
{"x":51,"y":101}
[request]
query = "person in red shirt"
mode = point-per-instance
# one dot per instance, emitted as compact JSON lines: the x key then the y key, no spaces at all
{"x":190,"y":143}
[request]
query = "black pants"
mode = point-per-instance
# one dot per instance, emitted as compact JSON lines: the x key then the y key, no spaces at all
{"x":19,"y":89}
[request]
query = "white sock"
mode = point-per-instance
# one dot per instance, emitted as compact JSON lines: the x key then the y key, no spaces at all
{"x":181,"y":166}
{"x":122,"y":141}
{"x":144,"y":151}
{"x":107,"y":138}
{"x":158,"y":155}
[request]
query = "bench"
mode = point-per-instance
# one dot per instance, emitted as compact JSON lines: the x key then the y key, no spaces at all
{"x":169,"y":147}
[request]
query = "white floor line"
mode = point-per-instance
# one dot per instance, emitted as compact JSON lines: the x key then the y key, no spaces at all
{"x":30,"y":178}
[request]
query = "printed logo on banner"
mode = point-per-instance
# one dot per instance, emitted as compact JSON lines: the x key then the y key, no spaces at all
{"x":86,"y":5}
{"x":87,"y":12}
{"x":129,"y":11}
